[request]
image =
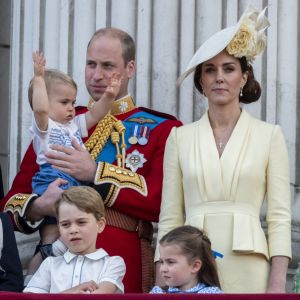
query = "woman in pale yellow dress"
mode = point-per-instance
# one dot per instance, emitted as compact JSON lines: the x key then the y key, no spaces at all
{"x":219,"y":170}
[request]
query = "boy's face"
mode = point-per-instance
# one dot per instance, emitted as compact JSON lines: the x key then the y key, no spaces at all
{"x":78,"y":229}
{"x":62,"y":99}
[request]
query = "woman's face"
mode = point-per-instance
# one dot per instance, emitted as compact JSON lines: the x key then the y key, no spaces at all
{"x":222,"y":78}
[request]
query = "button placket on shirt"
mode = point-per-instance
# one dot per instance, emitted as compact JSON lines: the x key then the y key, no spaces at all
{"x":77,"y":270}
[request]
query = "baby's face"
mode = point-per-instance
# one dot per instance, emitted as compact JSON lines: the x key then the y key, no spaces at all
{"x":62,"y":99}
{"x":78,"y":229}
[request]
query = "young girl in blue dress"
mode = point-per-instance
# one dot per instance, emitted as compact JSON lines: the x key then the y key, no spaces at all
{"x":187,"y":263}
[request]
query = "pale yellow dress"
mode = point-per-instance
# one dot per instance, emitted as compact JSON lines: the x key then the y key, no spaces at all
{"x":224,"y":196}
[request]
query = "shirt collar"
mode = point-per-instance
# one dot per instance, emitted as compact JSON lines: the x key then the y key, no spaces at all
{"x":194,"y":289}
{"x":120,"y":106}
{"x":61,"y":125}
{"x":97,"y":255}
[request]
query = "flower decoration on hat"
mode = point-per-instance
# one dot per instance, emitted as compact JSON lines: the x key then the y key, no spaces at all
{"x":250,"y":39}
{"x":246,"y":38}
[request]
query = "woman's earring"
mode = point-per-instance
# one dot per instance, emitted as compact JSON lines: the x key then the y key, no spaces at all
{"x":241,"y":92}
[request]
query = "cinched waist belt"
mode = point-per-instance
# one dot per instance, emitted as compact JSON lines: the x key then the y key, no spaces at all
{"x":224,"y":207}
{"x":125,"y":222}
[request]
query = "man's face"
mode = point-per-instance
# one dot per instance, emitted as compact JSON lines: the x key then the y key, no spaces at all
{"x":104,"y":58}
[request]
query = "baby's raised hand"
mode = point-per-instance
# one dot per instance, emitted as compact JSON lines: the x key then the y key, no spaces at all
{"x":114,"y":85}
{"x":39,"y":63}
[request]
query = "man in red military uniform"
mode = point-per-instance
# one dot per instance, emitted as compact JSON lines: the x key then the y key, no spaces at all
{"x":124,"y":164}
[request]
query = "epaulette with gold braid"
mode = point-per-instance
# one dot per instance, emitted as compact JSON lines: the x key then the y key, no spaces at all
{"x":101,"y":134}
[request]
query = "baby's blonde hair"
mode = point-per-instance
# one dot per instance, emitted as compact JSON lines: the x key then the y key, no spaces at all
{"x":52,"y":76}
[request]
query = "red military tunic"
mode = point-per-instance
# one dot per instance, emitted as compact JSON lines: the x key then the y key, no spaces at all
{"x":128,"y":200}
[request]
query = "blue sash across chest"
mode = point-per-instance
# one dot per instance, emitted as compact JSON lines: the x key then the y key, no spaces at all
{"x":108,"y":154}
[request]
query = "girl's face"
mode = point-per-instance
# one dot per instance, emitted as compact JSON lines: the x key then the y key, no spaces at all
{"x":62,"y":99}
{"x":176,"y":269}
{"x":78,"y":229}
{"x":222,"y":79}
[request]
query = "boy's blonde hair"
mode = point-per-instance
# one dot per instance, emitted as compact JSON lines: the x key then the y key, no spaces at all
{"x":52,"y":76}
{"x":85,"y":199}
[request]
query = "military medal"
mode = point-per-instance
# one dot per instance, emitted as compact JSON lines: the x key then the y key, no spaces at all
{"x":135,"y":160}
{"x":144,"y":135}
{"x":133,"y":139}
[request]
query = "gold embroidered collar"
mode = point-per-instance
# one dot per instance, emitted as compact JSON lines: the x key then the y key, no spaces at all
{"x":120,"y":106}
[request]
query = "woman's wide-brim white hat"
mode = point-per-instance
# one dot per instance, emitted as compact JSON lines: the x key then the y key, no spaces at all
{"x":221,"y":39}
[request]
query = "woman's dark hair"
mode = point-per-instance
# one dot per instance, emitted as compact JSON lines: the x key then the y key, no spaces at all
{"x":251,"y":90}
{"x":194,"y":244}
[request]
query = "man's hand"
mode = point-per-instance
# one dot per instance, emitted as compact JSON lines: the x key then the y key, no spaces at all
{"x":45,"y":204}
{"x":76,"y":162}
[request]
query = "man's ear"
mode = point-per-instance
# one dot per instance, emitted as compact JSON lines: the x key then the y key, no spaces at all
{"x":130,"y":68}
